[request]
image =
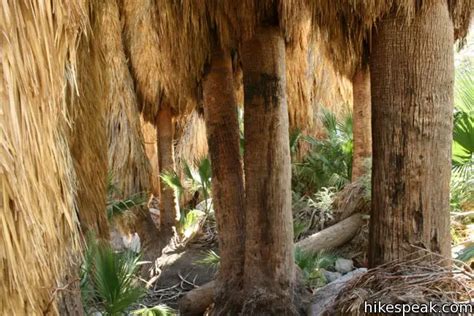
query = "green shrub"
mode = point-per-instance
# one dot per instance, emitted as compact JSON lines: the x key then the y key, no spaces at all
{"x":329,"y":161}
{"x":108,"y":279}
{"x":311,"y":265}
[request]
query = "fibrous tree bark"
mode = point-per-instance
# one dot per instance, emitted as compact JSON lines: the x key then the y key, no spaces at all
{"x":269,"y":270}
{"x":220,"y":111}
{"x":412,"y":98}
{"x":168,"y":202}
{"x":361,"y":115}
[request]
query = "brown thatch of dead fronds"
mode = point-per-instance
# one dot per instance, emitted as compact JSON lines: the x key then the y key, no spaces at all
{"x":312,"y":79}
{"x":38,"y":226}
{"x":143,"y":47}
{"x":171,"y":63}
{"x":347,"y":25}
{"x":427,"y":278}
{"x":127,"y":160}
{"x":88,"y":128}
{"x":329,"y":88}
{"x":192,"y":143}
{"x":299,"y":74}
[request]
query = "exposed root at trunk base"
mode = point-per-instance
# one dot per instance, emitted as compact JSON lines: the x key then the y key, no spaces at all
{"x":196,"y":302}
{"x":262,"y":303}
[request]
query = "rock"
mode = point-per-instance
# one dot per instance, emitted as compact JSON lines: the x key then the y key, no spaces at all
{"x":116,"y":240}
{"x":325,"y":297}
{"x":132,"y":242}
{"x":331,"y":276}
{"x":344,"y":265}
{"x":205,"y":206}
{"x":355,"y":272}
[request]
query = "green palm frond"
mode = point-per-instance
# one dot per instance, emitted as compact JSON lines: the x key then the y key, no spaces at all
{"x":311,"y":263}
{"x":190,"y":221}
{"x":205,"y":175}
{"x":329,"y":161}
{"x":463,"y":89}
{"x":463,"y":125}
{"x":108,"y":279}
{"x":329,"y":121}
{"x":295,"y":137}
{"x":119,"y":207}
{"x":467,"y":254}
{"x":211,"y":259}
{"x":172,"y":180}
{"x":299,"y":227}
{"x":158,"y":310}
{"x":112,"y":189}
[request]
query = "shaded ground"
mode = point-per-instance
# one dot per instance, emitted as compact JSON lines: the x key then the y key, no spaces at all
{"x":179,"y":273}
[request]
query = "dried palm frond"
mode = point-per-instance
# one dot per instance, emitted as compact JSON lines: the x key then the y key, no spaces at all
{"x":38,"y":60}
{"x":426,"y":278}
{"x":126,"y":153}
{"x":88,"y":141}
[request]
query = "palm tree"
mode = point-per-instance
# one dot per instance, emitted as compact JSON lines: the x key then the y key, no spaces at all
{"x":169,"y":211}
{"x":220,"y":111}
{"x":412,"y":103}
{"x":268,"y":222}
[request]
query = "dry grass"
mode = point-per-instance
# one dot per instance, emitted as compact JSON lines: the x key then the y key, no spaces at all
{"x":38,"y":234}
{"x":427,"y":278}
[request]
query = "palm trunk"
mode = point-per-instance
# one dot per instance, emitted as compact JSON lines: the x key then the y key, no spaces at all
{"x":269,"y":271}
{"x":362,"y":133}
{"x":220,"y":111}
{"x":168,"y":203}
{"x":412,"y":96}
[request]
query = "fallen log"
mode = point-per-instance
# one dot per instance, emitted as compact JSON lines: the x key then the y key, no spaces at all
{"x":196,"y":302}
{"x":333,"y":236}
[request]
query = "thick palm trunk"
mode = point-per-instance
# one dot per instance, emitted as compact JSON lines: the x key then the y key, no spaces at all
{"x":220,"y":111}
{"x":362,"y":133}
{"x":168,"y":202}
{"x":412,"y":97}
{"x":269,"y":265}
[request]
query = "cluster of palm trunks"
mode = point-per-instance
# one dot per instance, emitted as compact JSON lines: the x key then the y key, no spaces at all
{"x":399,"y":60}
